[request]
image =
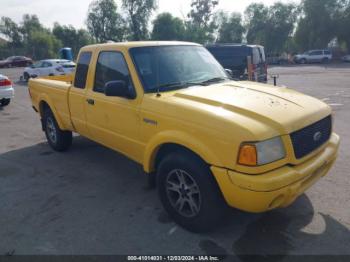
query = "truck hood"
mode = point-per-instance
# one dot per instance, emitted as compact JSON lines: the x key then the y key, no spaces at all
{"x":283,"y":109}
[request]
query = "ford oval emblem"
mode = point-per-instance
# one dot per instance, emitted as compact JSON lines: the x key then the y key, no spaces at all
{"x":317,"y":136}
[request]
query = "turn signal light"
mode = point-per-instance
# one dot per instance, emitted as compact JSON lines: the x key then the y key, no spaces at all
{"x":248,"y":155}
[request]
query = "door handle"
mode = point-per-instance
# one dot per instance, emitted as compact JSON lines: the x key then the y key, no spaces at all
{"x":90,"y":101}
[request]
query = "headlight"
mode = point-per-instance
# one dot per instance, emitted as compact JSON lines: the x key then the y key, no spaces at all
{"x":261,"y":153}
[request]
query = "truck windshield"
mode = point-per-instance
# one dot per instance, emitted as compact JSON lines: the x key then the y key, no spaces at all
{"x":164,"y":68}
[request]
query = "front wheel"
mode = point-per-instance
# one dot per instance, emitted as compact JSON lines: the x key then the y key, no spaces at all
{"x":58,"y":139}
{"x":325,"y":60}
{"x":189,"y":192}
{"x":5,"y":101}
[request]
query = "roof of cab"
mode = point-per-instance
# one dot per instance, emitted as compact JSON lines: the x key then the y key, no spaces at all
{"x":136,"y":44}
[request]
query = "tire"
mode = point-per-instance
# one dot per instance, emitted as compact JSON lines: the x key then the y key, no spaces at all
{"x":183,"y":178}
{"x":303,"y":61}
{"x":26,"y":76}
{"x":325,"y":60}
{"x":58,"y":139}
{"x":5,"y":101}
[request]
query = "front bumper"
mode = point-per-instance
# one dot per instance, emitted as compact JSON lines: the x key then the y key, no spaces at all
{"x":7,"y":93}
{"x":276,"y":188}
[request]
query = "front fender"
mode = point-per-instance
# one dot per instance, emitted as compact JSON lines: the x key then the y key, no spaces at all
{"x":180,"y":138}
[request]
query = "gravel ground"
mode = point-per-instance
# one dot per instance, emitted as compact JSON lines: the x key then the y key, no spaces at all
{"x":92,"y":200}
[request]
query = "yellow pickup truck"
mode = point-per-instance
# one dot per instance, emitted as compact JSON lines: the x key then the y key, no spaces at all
{"x":209,"y":141}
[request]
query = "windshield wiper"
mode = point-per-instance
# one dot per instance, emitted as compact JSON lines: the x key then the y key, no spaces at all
{"x":213,"y":80}
{"x":173,"y":85}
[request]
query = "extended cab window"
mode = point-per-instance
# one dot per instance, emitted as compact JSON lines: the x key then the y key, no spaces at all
{"x":111,"y":66}
{"x":82,"y":70}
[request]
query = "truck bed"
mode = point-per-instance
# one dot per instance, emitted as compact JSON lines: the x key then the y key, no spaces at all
{"x":56,"y":93}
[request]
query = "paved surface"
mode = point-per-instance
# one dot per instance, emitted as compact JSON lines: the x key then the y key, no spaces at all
{"x":92,"y":200}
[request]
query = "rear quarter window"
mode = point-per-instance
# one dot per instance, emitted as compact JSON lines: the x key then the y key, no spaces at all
{"x":82,"y":70}
{"x":256,"y":56}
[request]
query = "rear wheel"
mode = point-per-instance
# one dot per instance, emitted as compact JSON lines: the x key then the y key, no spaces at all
{"x":5,"y":101}
{"x":303,"y":61}
{"x":189,"y":192}
{"x":58,"y":139}
{"x":26,"y":76}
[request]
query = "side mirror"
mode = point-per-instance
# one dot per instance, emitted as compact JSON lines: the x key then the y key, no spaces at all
{"x":229,"y":72}
{"x":119,"y":88}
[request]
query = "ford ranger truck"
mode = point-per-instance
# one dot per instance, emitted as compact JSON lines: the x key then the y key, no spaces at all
{"x":210,"y":142}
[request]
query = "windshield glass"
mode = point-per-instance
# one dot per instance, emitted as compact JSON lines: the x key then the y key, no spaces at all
{"x":163,"y":68}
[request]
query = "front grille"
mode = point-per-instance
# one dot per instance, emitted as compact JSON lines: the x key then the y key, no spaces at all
{"x":311,"y":137}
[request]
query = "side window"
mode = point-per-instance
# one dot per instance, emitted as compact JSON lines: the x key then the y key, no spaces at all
{"x":326,"y":52}
{"x":82,"y":70}
{"x":316,"y":53}
{"x":111,"y":66}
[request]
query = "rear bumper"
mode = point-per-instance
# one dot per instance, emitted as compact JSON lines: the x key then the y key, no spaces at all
{"x":7,"y":93}
{"x":277,"y":188}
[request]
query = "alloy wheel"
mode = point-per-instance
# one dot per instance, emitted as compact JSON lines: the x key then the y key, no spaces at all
{"x":183,"y":193}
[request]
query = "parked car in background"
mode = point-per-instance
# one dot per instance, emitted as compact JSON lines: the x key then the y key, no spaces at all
{"x":346,"y":58}
{"x":49,"y":67}
{"x":234,"y":57}
{"x":16,"y":61}
{"x":314,"y":56}
{"x":6,"y":90}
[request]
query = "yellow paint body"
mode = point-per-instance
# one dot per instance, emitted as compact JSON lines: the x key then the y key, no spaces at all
{"x":211,"y":121}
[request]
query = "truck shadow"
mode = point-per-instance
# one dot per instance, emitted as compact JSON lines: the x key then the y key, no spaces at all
{"x":51,"y":192}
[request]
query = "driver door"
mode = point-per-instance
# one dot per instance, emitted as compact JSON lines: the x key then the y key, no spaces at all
{"x":113,"y":121}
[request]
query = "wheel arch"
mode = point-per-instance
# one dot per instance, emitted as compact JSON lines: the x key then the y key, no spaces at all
{"x":45,"y":104}
{"x":176,"y":141}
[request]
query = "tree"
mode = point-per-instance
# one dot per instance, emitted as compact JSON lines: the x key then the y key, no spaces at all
{"x":200,"y":26}
{"x":103,"y":21}
{"x":11,"y":30}
{"x":256,"y":15}
{"x":343,"y":22}
{"x":71,"y":37}
{"x":30,"y":24}
{"x":318,"y":23}
{"x":43,"y":45}
{"x":167,"y":27}
{"x":202,"y":11}
{"x":272,"y":26}
{"x":230,"y":26}
{"x":139,"y":12}
{"x":280,"y":26}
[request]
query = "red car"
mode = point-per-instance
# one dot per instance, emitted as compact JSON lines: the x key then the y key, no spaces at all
{"x":16,"y":61}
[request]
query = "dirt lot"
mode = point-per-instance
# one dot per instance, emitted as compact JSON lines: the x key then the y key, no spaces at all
{"x":92,"y":200}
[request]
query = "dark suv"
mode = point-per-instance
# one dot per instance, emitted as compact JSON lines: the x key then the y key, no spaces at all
{"x":235,"y":58}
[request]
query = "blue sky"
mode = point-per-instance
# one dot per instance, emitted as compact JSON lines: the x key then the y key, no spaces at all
{"x":74,"y":11}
